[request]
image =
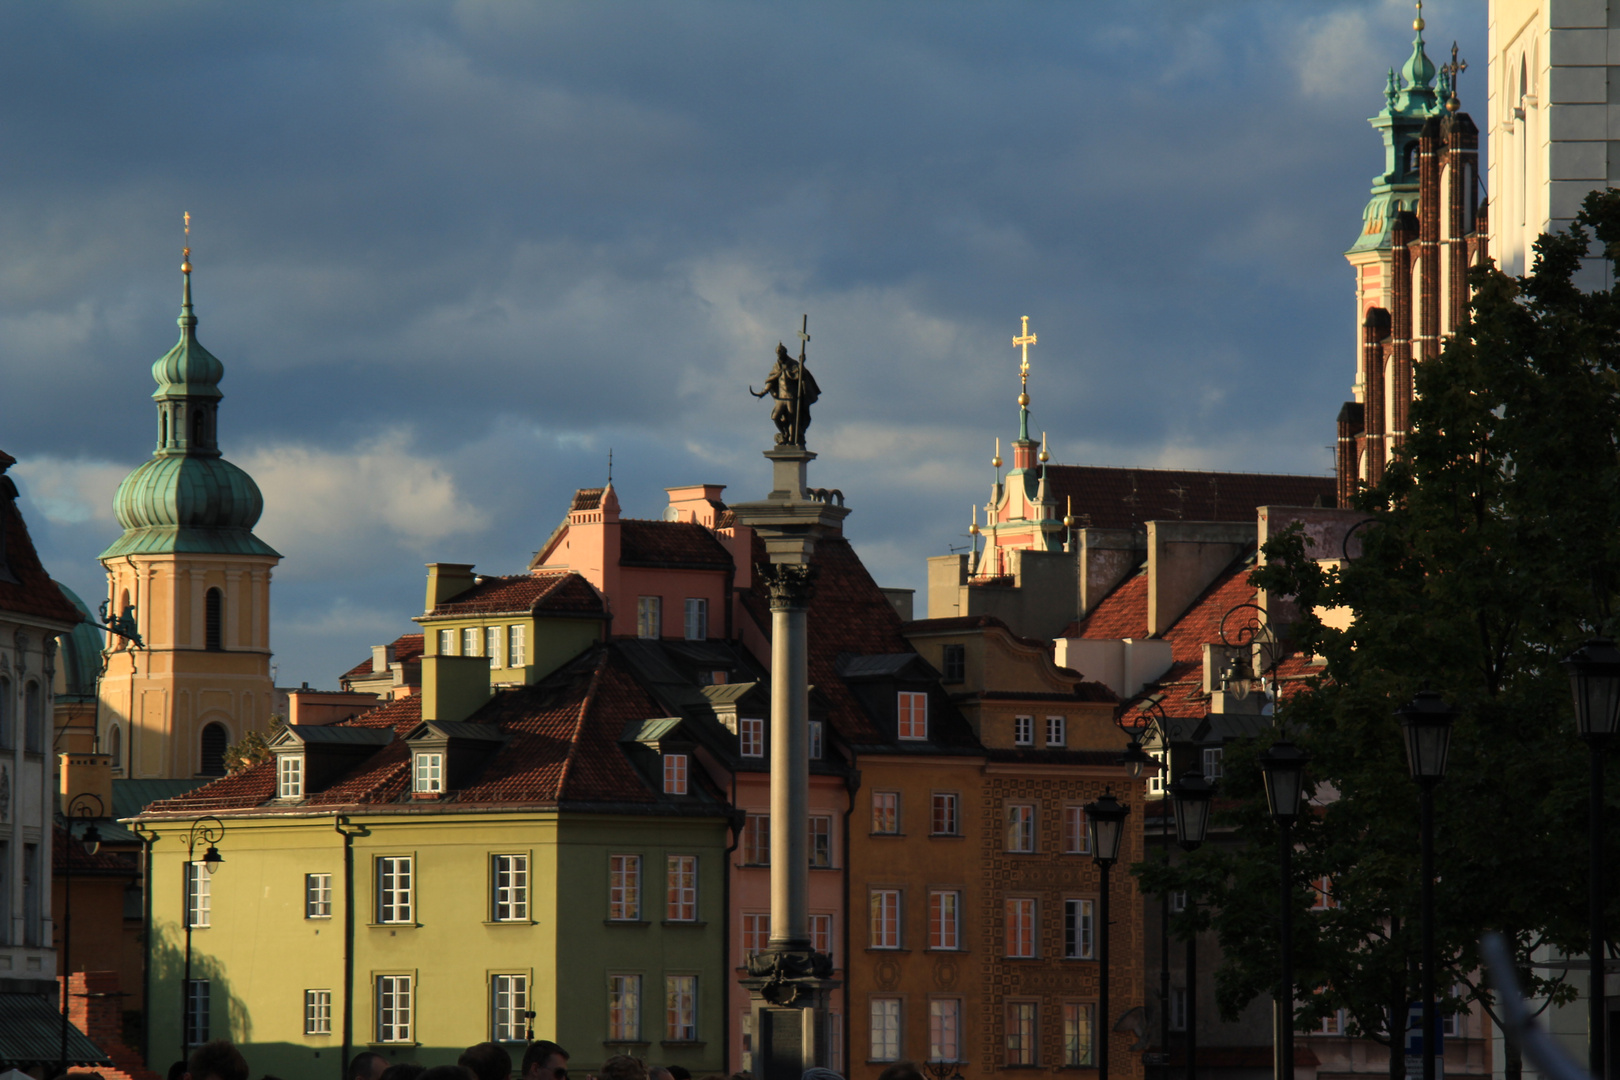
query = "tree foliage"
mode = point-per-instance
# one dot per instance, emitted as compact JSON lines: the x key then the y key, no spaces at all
{"x":1491,"y":550}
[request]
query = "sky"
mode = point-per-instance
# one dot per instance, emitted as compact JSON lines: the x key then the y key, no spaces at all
{"x":452,"y":254}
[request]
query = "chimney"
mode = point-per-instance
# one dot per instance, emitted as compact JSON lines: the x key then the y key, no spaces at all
{"x":87,"y":774}
{"x":1107,"y":557}
{"x":1183,"y":558}
{"x":445,"y":580}
{"x":453,"y":687}
{"x":381,"y":657}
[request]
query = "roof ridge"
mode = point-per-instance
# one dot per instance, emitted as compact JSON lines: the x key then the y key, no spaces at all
{"x":1195,"y":472}
{"x":579,"y":723}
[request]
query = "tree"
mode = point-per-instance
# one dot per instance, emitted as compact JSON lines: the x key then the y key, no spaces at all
{"x":254,"y":748}
{"x":1491,"y":551}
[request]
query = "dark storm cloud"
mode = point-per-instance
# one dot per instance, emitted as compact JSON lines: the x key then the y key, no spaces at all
{"x":450,"y":253}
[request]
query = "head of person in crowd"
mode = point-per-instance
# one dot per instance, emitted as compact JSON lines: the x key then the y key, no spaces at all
{"x":743,"y":1075}
{"x":177,"y":1071}
{"x":487,"y":1061}
{"x":367,"y":1066}
{"x":816,"y":1072}
{"x":658,"y":1072}
{"x":545,"y":1060}
{"x":901,"y":1070}
{"x":403,"y":1070}
{"x":217,"y":1060}
{"x":623,"y":1067}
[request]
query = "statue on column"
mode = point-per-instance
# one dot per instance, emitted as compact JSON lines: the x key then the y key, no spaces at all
{"x":794,"y":390}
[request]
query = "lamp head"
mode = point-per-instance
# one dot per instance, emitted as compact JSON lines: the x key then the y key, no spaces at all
{"x":1594,"y":679}
{"x":1192,"y":796}
{"x":212,"y":858}
{"x":1238,"y":677}
{"x":1105,"y":821}
{"x":91,"y":840}
{"x":1135,"y":759}
{"x":1283,"y":767}
{"x":1426,"y":722}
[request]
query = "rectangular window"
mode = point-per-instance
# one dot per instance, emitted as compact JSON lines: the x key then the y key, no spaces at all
{"x":1023,"y":731}
{"x":511,"y":893}
{"x":202,"y":902}
{"x":1021,"y":927}
{"x":1178,"y":902}
{"x":943,"y":818}
{"x":494,"y":640}
{"x":821,"y":842}
{"x":317,"y":896}
{"x":649,"y":613}
{"x":1020,"y":827}
{"x":469,"y":641}
{"x":1078,"y":930}
{"x":756,"y":845}
{"x":955,"y":663}
{"x":290,"y":776}
{"x":885,"y":918}
{"x":1332,"y":1023}
{"x":945,"y":920}
{"x":821,"y":933}
{"x":1056,"y":731}
{"x":447,"y":643}
{"x":624,"y":888}
{"x":680,"y":996}
{"x":1021,"y":1034}
{"x":1076,"y":840}
{"x":913,"y":715}
{"x":198,"y":998}
{"x":945,"y":1029}
{"x":515,"y":647}
{"x":394,"y":1005}
{"x":394,"y":889}
{"x":816,"y":749}
{"x":1178,"y":1010}
{"x":681,"y":875}
{"x":885,"y":1029}
{"x":697,"y":619}
{"x":674,"y":774}
{"x":1323,"y":888}
{"x":1078,"y":1048}
{"x":508,"y":1001}
{"x":885,"y":811}
{"x":428,"y":776}
{"x":624,"y":1008}
{"x":756,"y":932}
{"x":1214,"y":767}
{"x":751,"y":737}
{"x":317,"y":1012}
{"x":1156,"y":780}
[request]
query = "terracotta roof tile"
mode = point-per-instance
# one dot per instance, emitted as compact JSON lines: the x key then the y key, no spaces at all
{"x":552,"y":592}
{"x":1122,"y":613}
{"x":1108,"y":498}
{"x":678,"y":544}
{"x":407,"y":649}
{"x":587,"y":499}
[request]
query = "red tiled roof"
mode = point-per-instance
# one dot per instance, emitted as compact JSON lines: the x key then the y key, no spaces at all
{"x":1108,"y":498}
{"x":552,"y":592}
{"x":1122,"y":613}
{"x":407,"y":648}
{"x":676,"y":544}
{"x":1201,"y":622}
{"x":33,"y":592}
{"x":587,"y":499}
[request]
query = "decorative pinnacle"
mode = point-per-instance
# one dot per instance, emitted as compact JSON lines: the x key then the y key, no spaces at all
{"x":1068,"y":517}
{"x":973,"y":524}
{"x":1452,"y":70}
{"x":1417,"y":23}
{"x":996,"y":461}
{"x":185,"y":252}
{"x":1044,"y":456}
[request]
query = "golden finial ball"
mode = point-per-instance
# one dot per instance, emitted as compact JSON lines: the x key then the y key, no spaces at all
{"x":996,"y":461}
{"x":1045,"y":457}
{"x":185,"y":267}
{"x":974,"y":528}
{"x":1417,"y":24}
{"x":1068,"y":522}
{"x":1023,"y":400}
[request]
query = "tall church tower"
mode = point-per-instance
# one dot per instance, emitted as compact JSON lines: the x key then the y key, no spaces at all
{"x":199,"y":581}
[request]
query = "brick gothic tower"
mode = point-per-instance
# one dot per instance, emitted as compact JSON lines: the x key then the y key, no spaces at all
{"x":1422,"y":230}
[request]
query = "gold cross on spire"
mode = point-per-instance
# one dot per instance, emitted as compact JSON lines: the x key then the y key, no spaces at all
{"x":1024,"y":341}
{"x":1452,"y":70}
{"x":185,"y":252}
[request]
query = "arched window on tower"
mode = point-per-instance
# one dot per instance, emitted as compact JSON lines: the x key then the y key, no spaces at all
{"x":214,"y":740}
{"x":163,"y":429}
{"x":214,"y":606}
{"x":115,"y":746}
{"x":33,"y":718}
{"x":1411,"y":158}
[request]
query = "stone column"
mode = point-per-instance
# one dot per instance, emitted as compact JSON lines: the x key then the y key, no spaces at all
{"x":790,"y":587}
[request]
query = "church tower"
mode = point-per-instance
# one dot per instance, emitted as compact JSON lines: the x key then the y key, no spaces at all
{"x":197,"y":578}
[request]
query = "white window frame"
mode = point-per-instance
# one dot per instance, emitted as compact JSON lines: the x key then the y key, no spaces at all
{"x":886,"y":805}
{"x":447,"y":641}
{"x":680,"y":1008}
{"x":317,"y":896}
{"x":1079,"y":929}
{"x":649,"y":616}
{"x":1178,"y":901}
{"x":1077,"y":1015}
{"x":624,"y":1008}
{"x":821,"y":933}
{"x":951,"y":803}
{"x":396,"y":885}
{"x":1076,"y":837}
{"x":697,"y":618}
{"x":945,"y":920}
{"x":820,"y":840}
{"x":1057,"y":732}
{"x":1028,"y":1050}
{"x":751,"y":736}
{"x":1022,"y":926}
{"x":1023,"y":731}
{"x":675,"y":773}
{"x":885,"y":907}
{"x":508,"y":1004}
{"x":495,"y":645}
{"x":290,"y":776}
{"x":201,"y":909}
{"x":1214,"y":763}
{"x":516,"y":645}
{"x":427,"y":772}
{"x":624,"y":888}
{"x":1021,"y":828}
{"x":909,"y":704}
{"x":945,"y":1029}
{"x":756,"y":925}
{"x":509,"y":893}
{"x":395,"y":1000}
{"x":885,"y":1028}
{"x":471,"y":638}
{"x":317,"y":1012}
{"x":681,"y":884}
{"x":1156,"y":780}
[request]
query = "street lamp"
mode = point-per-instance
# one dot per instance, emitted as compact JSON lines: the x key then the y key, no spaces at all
{"x":1105,"y":824}
{"x":1283,"y":767}
{"x":1426,"y":723}
{"x":1594,"y":679}
{"x":208,"y":830}
{"x":79,"y":808}
{"x":1192,"y":795}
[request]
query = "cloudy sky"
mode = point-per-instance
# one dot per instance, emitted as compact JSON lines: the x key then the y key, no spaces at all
{"x":451,"y":253}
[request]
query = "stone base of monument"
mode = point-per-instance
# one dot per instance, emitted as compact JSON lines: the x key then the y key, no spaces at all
{"x":789,"y":992}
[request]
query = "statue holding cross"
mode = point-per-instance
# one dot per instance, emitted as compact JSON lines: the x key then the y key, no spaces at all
{"x":794,"y":389}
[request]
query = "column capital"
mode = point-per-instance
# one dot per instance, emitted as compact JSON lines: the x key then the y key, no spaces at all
{"x":791,"y":584}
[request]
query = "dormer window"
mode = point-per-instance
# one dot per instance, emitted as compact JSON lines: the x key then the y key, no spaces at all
{"x":1023,"y":731}
{"x":674,"y":774}
{"x":751,"y":737}
{"x":913,"y":715}
{"x":290,"y":776}
{"x":1056,"y":733}
{"x":429,"y":773}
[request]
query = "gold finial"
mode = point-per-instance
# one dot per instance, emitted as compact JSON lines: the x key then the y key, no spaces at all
{"x":1452,"y":70}
{"x":973,"y":526}
{"x":1024,"y":341}
{"x":1068,"y":517}
{"x":1417,"y":23}
{"x":185,"y":252}
{"x":1044,"y":456}
{"x":996,"y":461}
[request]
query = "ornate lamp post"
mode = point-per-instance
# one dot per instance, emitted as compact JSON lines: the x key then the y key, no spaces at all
{"x":1284,"y":769}
{"x":1192,"y":796}
{"x":1594,"y":679}
{"x":84,"y":807}
{"x":1105,"y":822}
{"x":1426,"y":722}
{"x":210,"y":831}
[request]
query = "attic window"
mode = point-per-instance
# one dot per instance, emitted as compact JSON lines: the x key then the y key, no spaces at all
{"x":674,"y":774}
{"x":955,"y":663}
{"x":428,"y":773}
{"x":1023,"y":731}
{"x":290,"y":776}
{"x":913,"y":715}
{"x":751,"y":737}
